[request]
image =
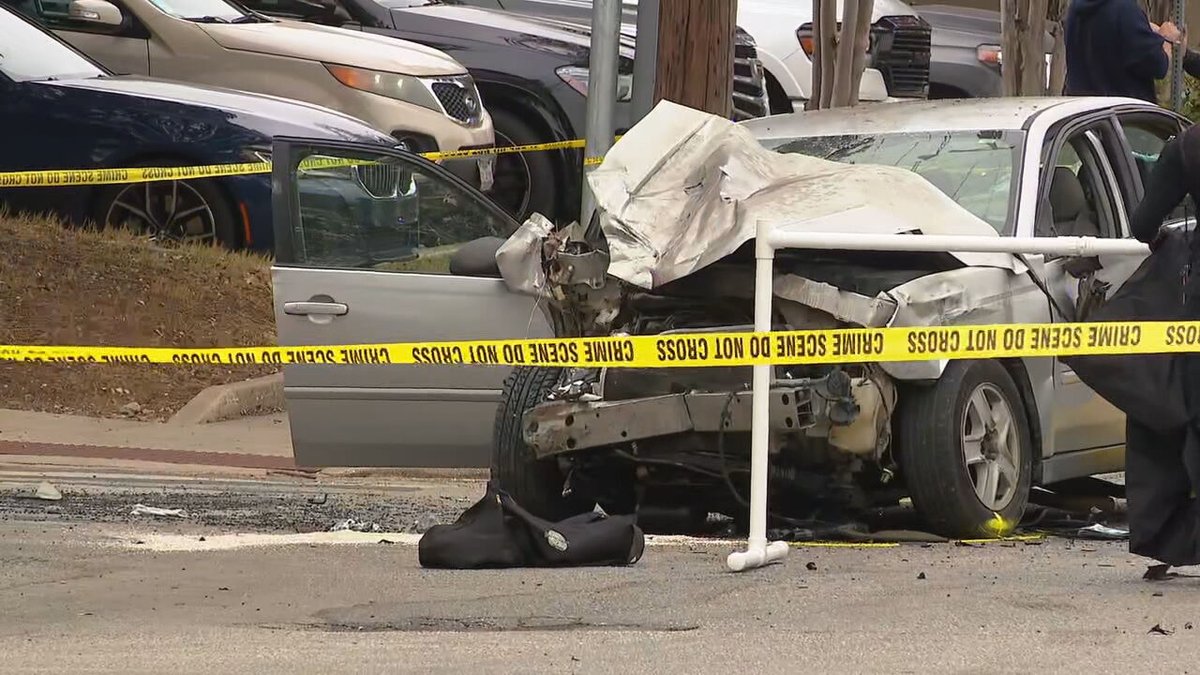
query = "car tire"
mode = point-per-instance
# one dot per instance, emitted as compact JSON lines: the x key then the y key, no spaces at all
{"x":534,"y":484}
{"x":952,"y":458}
{"x":217,"y":218}
{"x":527,"y":182}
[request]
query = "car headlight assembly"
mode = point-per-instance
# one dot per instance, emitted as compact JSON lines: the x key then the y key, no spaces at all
{"x":577,"y":78}
{"x":392,"y":85}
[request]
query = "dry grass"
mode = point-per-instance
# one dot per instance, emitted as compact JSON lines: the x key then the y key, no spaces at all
{"x":78,"y":287}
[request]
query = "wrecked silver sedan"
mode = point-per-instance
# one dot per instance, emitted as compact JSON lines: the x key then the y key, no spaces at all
{"x":670,"y":253}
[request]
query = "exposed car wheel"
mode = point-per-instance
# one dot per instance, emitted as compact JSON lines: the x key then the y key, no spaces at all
{"x":193,"y":211}
{"x":535,"y":484}
{"x":526,"y":182}
{"x":965,"y":449}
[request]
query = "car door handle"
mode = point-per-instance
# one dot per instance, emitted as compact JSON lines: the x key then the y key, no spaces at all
{"x":315,"y":308}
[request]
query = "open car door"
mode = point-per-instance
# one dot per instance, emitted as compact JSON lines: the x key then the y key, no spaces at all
{"x":364,"y":236}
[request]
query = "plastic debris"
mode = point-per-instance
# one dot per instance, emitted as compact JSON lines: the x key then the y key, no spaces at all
{"x":423,"y":523}
{"x":1098,"y":531}
{"x":47,"y":492}
{"x":143,"y":510}
{"x":353,"y":525}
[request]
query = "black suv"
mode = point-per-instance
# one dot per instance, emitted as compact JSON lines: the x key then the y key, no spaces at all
{"x":532,"y":76}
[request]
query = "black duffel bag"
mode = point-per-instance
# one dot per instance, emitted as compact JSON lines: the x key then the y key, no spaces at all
{"x":498,"y":532}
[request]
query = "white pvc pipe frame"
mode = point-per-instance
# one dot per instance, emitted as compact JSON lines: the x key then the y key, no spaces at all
{"x":759,"y":551}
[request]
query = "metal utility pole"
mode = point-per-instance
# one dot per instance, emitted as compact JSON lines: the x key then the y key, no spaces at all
{"x":602,"y":91}
{"x":695,"y":54}
{"x":1178,"y":91}
{"x":645,"y":63}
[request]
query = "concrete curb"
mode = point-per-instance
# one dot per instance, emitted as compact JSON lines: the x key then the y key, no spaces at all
{"x":232,"y":401}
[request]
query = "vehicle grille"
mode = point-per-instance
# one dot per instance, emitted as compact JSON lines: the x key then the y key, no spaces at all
{"x":901,"y":53}
{"x":749,"y":84}
{"x":381,"y":181}
{"x":459,"y":98}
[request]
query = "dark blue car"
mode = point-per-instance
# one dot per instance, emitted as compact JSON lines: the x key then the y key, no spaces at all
{"x":60,"y":110}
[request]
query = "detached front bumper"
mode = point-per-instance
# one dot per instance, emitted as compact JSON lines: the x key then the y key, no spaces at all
{"x":850,"y":413}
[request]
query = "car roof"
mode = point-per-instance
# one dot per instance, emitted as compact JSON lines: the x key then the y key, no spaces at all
{"x":1000,"y":114}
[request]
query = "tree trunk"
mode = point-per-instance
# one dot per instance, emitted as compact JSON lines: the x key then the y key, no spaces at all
{"x":843,"y":69}
{"x":1058,"y":59}
{"x":1033,"y":49}
{"x":825,"y":35}
{"x":818,"y":73}
{"x":862,"y":42}
{"x":1159,"y":11}
{"x":1023,"y":31}
{"x":1010,"y":47}
{"x":695,"y":54}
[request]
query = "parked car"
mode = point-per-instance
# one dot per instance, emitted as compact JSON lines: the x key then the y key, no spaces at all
{"x":782,"y":32}
{"x":65,"y":111}
{"x":531,"y":74}
{"x":1020,"y":167}
{"x":422,"y":97}
{"x":966,"y":60}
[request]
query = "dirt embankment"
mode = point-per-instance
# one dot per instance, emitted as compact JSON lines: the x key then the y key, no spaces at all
{"x":62,"y":286}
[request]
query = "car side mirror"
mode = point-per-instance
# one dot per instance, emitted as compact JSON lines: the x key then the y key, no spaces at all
{"x":95,"y":12}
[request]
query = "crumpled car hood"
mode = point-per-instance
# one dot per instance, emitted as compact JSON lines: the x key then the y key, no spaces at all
{"x":684,"y":189}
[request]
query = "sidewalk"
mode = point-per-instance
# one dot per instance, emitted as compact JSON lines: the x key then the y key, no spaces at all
{"x":252,"y":442}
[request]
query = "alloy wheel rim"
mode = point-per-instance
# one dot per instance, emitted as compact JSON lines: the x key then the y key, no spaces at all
{"x":990,"y":447}
{"x":163,"y":211}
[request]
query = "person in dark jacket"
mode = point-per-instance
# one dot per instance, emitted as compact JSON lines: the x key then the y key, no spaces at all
{"x":1163,"y":464}
{"x":1112,"y":50}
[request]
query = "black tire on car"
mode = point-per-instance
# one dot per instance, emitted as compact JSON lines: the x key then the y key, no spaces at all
{"x":194,"y":210}
{"x":535,"y":484}
{"x":955,"y":453}
{"x":525,"y":183}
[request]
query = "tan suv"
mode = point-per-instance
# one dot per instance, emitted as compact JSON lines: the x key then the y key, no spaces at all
{"x":419,"y":95}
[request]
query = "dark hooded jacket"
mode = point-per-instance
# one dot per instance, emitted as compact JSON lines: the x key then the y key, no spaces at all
{"x":1112,"y":51}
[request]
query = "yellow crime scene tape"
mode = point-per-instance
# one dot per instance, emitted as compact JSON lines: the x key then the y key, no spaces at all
{"x":839,"y":346}
{"x":81,"y":177}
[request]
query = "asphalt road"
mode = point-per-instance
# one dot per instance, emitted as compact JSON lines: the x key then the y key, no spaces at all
{"x":82,"y":597}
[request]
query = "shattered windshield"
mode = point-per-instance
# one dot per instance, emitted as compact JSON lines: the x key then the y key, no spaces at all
{"x":974,"y":168}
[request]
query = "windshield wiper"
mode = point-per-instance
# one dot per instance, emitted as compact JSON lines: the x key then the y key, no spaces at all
{"x":250,"y":18}
{"x":205,"y":19}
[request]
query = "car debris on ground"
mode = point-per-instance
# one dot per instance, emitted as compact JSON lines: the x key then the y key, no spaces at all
{"x":157,"y":512}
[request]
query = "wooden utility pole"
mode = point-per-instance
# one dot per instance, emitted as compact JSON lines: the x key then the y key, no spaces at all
{"x":695,"y":54}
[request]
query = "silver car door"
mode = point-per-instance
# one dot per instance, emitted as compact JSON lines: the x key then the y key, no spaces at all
{"x":362,"y":256}
{"x":1082,"y":197}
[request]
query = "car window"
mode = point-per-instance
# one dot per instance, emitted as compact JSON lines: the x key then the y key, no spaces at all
{"x":27,"y":54}
{"x":1147,"y":136}
{"x":974,"y":168}
{"x":1077,"y":196}
{"x":390,"y":214}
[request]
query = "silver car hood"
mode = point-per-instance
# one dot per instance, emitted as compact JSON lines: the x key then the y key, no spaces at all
{"x":684,"y":189}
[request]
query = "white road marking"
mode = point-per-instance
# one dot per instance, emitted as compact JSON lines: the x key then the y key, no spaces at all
{"x":227,"y":542}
